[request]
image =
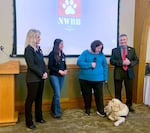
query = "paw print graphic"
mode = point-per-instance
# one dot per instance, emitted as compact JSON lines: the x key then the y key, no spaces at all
{"x":69,"y":7}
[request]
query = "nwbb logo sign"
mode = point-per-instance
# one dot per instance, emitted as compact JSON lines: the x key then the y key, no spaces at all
{"x":69,"y":8}
{"x":69,"y":12}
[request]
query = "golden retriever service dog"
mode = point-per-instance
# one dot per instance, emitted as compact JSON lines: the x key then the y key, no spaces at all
{"x":116,"y":111}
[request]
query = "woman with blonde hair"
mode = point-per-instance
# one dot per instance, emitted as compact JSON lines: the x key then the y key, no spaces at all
{"x":36,"y":74}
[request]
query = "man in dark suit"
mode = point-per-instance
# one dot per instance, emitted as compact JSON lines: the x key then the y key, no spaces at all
{"x":124,"y":58}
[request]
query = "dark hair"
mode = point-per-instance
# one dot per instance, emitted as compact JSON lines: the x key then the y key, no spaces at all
{"x":123,"y":35}
{"x":95,"y":44}
{"x":56,"y":49}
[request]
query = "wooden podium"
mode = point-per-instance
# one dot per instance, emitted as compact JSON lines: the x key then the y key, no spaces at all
{"x":8,"y":115}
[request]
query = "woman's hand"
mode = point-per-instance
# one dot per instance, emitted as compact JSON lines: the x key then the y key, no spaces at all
{"x":93,"y":65}
{"x":63,"y":73}
{"x":44,"y":76}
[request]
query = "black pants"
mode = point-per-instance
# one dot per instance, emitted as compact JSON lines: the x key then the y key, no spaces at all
{"x":128,"y":88}
{"x":86,"y":89}
{"x":34,"y":94}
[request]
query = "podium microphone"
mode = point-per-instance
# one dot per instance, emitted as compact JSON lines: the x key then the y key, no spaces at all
{"x":2,"y":49}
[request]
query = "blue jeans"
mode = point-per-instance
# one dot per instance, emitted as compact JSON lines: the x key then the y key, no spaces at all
{"x":56,"y":83}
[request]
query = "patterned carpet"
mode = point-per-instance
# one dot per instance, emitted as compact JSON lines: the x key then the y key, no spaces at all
{"x":76,"y":121}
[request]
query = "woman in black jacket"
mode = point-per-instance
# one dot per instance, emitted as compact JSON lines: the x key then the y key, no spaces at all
{"x":36,"y":74}
{"x":58,"y":69}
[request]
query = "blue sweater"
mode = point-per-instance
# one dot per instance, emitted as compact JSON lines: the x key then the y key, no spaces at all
{"x":99,"y":73}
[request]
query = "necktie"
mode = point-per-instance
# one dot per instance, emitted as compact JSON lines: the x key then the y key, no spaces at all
{"x":124,"y":53}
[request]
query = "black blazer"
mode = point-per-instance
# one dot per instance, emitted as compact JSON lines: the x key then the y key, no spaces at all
{"x":53,"y":66}
{"x":35,"y":64}
{"x":116,"y":60}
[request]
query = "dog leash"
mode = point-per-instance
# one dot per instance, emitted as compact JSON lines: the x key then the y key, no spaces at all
{"x":105,"y":86}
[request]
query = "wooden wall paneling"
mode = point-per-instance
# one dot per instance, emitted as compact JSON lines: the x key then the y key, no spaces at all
{"x":142,"y":22}
{"x":71,"y":96}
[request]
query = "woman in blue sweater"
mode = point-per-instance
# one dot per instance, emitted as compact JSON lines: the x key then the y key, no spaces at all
{"x":93,"y":72}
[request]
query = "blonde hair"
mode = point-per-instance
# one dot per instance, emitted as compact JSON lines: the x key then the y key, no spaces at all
{"x":31,"y":37}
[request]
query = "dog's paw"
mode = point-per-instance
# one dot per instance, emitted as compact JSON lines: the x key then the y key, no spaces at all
{"x":116,"y":123}
{"x":111,"y":118}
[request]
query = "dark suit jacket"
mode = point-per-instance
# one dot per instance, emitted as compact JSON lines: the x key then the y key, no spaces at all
{"x":35,"y":64}
{"x":116,"y":60}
